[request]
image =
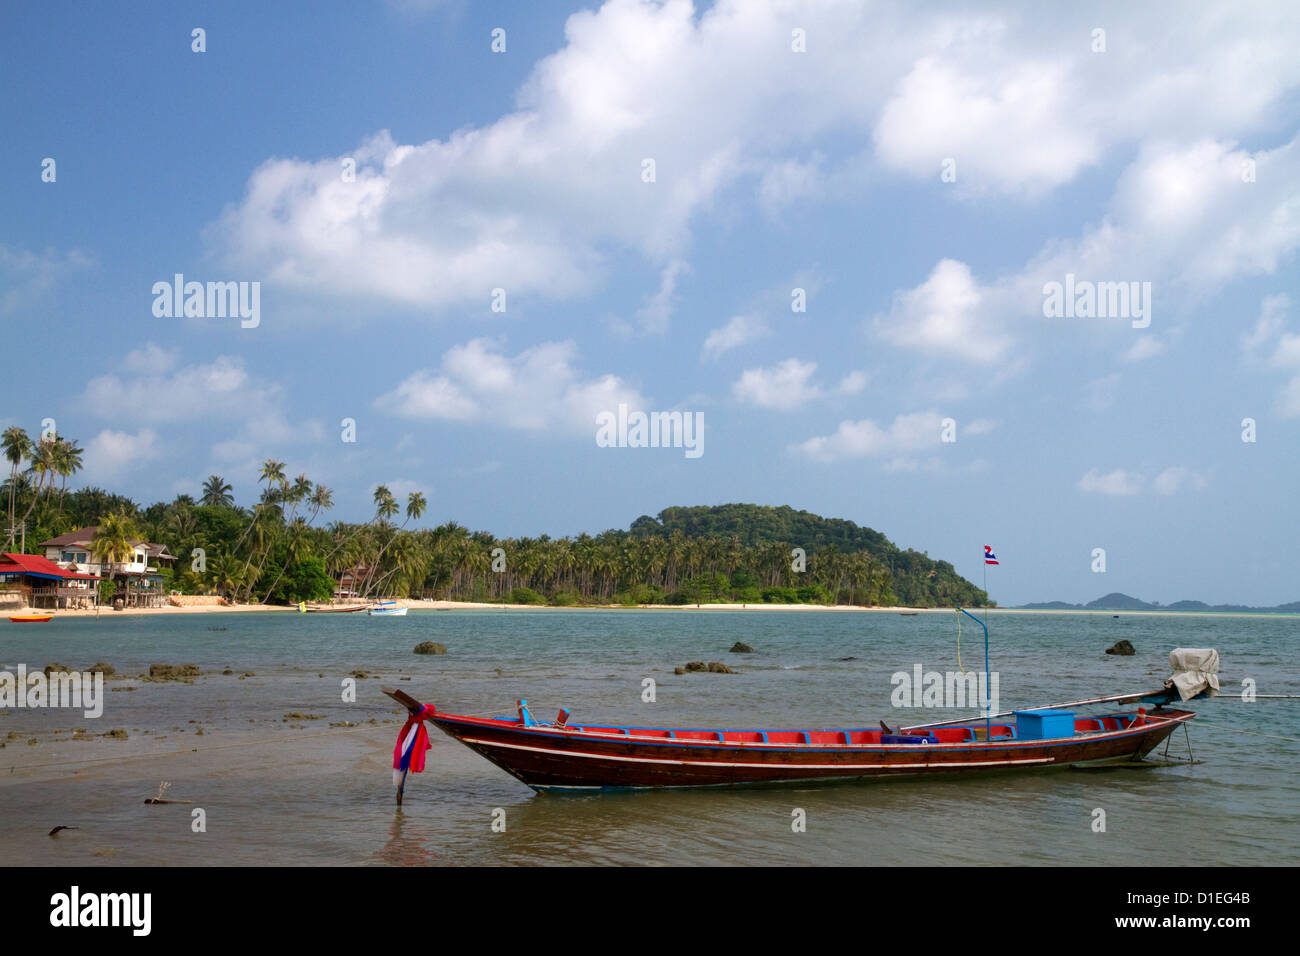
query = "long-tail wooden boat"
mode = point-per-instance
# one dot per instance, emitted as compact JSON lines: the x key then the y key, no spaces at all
{"x":387,"y":609}
{"x":343,"y":609}
{"x":563,"y":756}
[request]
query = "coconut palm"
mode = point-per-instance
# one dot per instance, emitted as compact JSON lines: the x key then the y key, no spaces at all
{"x":17,"y":446}
{"x":217,"y":492}
{"x":67,"y":462}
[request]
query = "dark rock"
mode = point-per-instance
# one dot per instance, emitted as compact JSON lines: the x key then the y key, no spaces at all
{"x":56,"y":668}
{"x":846,"y":658}
{"x":697,"y":666}
{"x":430,"y":647}
{"x":740,"y":647}
{"x":1122,"y":648}
{"x":717,"y":668}
{"x":100,"y":667}
{"x":679,"y":670}
{"x":182,"y":672}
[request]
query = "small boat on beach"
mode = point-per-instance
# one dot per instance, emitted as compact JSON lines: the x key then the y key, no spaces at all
{"x":30,"y":617}
{"x":908,"y":613}
{"x":387,"y":609}
{"x":342,"y":609}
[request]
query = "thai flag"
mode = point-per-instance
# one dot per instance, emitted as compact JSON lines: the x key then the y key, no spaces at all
{"x":989,"y":556}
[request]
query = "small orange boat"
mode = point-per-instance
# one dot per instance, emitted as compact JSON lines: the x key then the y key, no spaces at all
{"x":33,"y":617}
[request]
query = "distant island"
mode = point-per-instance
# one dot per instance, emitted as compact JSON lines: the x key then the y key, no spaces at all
{"x":1115,"y":601}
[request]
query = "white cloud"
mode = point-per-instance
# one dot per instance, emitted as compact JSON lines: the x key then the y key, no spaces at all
{"x":788,"y":182}
{"x":739,"y":330}
{"x":1147,"y":346}
{"x":1272,"y":342}
{"x":537,"y":390}
{"x":863,"y":439}
{"x":786,"y":385}
{"x":220,"y":389}
{"x":1008,"y":126}
{"x":1169,"y":481}
{"x":28,"y":278}
{"x":1273,"y":310}
{"x":540,"y":199}
{"x":150,"y":358}
{"x":943,"y":315}
{"x":1117,"y":482}
{"x":852,"y":383}
{"x":1181,"y":219}
{"x":654,"y":317}
{"x":113,"y":453}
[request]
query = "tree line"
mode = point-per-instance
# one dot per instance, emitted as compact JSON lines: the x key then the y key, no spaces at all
{"x":280,"y":550}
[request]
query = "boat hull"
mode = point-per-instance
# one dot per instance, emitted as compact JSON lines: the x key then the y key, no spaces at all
{"x":30,"y":618}
{"x":548,"y":758}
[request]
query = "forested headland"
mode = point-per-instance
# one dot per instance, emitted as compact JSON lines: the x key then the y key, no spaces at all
{"x":282,"y":549}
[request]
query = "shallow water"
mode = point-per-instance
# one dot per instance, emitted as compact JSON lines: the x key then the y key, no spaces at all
{"x":298,"y":791}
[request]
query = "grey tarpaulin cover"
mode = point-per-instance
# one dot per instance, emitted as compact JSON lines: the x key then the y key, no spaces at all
{"x":1195,"y":669}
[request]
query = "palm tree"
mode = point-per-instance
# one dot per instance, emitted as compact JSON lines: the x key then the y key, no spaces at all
{"x":17,"y":446}
{"x":226,"y":573}
{"x":43,"y":468}
{"x":115,"y":539}
{"x":67,"y":462}
{"x":217,"y":492}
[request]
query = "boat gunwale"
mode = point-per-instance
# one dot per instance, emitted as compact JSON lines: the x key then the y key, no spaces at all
{"x":578,"y":733}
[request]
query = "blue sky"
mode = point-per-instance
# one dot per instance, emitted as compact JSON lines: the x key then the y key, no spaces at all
{"x":921,"y":174}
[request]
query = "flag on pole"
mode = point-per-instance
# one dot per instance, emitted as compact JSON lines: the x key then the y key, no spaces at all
{"x":989,"y":556}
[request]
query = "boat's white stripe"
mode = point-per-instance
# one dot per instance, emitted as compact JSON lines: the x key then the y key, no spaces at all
{"x":761,"y":766}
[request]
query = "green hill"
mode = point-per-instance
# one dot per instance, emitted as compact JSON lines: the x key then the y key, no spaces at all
{"x":837,"y":550}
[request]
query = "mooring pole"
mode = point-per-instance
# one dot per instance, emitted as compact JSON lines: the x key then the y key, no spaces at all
{"x":988,"y":701}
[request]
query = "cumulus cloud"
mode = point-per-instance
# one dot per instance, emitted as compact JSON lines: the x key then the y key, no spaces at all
{"x":160,"y":392}
{"x":114,"y":453}
{"x":865,"y":439}
{"x":739,"y":330}
{"x":785,"y":385}
{"x":539,"y":389}
{"x":1117,"y":482}
{"x":540,"y":199}
{"x":944,"y":315}
{"x":1182,"y":218}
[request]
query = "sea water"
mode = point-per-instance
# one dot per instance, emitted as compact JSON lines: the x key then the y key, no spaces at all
{"x":277,"y":784}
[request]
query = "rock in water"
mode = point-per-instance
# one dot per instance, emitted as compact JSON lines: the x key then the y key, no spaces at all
{"x":697,"y":666}
{"x":717,"y":668}
{"x":1122,"y":648}
{"x":430,"y":647}
{"x":740,"y":647}
{"x":181,"y":672}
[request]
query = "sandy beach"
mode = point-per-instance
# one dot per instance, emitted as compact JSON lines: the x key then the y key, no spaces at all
{"x":472,"y":606}
{"x":468,"y":606}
